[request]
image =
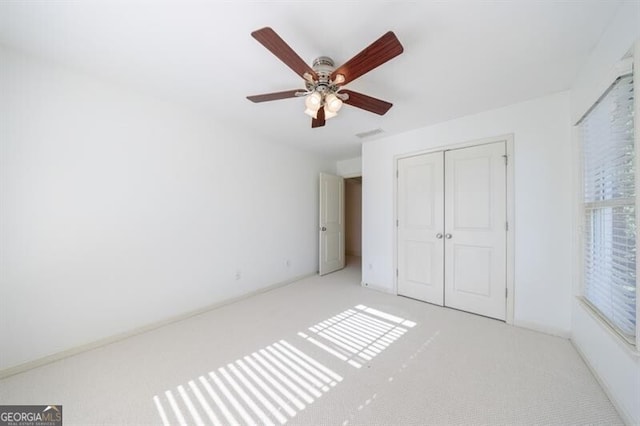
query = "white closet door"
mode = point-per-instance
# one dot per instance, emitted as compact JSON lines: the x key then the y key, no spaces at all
{"x":475,"y":233}
{"x":420,"y":227}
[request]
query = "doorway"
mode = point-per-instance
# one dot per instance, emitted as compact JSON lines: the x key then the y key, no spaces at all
{"x":353,"y":216}
{"x":353,"y":220}
{"x":453,"y":243}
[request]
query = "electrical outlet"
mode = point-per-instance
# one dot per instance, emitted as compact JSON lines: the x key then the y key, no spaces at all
{"x":238,"y":274}
{"x":288,"y":263}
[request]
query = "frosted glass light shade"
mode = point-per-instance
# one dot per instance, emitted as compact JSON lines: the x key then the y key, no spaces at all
{"x":311,"y":112}
{"x":332,"y":103}
{"x":328,"y":113}
{"x":313,"y":101}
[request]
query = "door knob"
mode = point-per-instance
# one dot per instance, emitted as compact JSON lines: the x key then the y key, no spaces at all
{"x":323,"y":228}
{"x":448,"y":236}
{"x":439,"y":236}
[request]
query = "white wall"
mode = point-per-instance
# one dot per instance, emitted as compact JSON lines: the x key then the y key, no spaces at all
{"x":616,"y":366}
{"x":616,"y":41}
{"x":118,"y":210}
{"x":353,"y":217}
{"x":543,"y":207}
{"x":350,"y":167}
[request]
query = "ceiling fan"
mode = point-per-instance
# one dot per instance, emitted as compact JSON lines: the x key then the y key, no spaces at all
{"x":324,"y":82}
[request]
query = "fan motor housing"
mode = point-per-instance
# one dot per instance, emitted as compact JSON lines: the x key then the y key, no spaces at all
{"x":323,"y":66}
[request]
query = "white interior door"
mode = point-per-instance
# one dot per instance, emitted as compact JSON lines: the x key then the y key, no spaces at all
{"x":331,"y":223}
{"x":421,"y":227}
{"x":475,"y":230}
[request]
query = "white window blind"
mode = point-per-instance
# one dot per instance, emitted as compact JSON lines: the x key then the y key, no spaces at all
{"x":609,"y":207}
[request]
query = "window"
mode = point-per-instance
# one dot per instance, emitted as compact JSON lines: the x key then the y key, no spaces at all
{"x":609,"y":203}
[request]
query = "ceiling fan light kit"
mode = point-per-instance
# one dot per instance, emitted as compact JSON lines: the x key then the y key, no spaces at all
{"x":324,"y":92}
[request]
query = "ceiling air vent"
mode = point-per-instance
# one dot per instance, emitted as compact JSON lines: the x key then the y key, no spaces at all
{"x":369,"y":133}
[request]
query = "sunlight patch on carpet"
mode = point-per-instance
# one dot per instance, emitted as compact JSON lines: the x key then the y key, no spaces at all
{"x":268,"y":387}
{"x":357,"y":335}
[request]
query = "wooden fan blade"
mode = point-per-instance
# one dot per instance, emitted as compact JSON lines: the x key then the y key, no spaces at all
{"x":320,"y":121}
{"x":274,"y":96}
{"x":276,"y":45}
{"x":368,"y":103}
{"x":377,"y":53}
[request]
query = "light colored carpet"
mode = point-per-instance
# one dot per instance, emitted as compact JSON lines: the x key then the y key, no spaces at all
{"x":323,"y":351}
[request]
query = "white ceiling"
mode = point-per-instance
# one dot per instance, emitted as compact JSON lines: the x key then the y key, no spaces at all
{"x":460,"y":57}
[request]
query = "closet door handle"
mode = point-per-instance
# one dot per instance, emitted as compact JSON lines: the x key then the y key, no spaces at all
{"x":448,"y":236}
{"x":439,"y":236}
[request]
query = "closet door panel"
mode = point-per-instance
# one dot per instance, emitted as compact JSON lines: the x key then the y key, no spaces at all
{"x":475,"y":230}
{"x":420,"y":227}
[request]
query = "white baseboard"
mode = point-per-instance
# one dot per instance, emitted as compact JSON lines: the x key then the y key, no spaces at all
{"x":29,"y":365}
{"x":626,"y":417}
{"x":376,"y":287}
{"x":543,"y":329}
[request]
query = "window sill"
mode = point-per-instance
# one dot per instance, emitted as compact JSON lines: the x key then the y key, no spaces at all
{"x":629,"y":348}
